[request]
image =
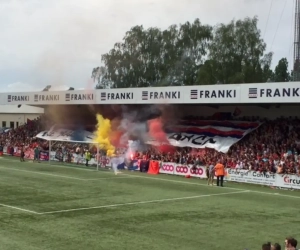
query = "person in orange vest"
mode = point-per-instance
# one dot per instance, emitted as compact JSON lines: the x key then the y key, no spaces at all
{"x":220,"y":172}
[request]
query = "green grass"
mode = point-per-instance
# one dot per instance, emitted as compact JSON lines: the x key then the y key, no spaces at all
{"x":145,"y":213}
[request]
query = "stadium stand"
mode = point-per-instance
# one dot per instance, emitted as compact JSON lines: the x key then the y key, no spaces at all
{"x":274,"y":147}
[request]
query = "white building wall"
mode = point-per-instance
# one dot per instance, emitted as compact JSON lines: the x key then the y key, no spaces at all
{"x":16,"y":119}
{"x":12,"y":116}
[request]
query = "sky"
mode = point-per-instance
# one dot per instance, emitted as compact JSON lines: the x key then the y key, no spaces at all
{"x":59,"y":42}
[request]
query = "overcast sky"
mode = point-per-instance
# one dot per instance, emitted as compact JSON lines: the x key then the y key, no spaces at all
{"x":58,"y":42}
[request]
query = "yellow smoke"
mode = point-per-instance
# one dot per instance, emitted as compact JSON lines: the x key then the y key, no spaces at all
{"x":102,"y":135}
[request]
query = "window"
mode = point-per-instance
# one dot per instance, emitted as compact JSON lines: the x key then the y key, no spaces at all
{"x":17,"y":124}
{"x":3,"y":124}
{"x":12,"y":124}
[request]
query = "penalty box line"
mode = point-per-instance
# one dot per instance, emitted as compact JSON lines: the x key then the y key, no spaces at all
{"x":18,"y":208}
{"x":118,"y":204}
{"x":140,"y":202}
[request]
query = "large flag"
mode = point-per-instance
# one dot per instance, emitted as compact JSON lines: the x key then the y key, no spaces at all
{"x":218,"y":135}
{"x":57,"y":133}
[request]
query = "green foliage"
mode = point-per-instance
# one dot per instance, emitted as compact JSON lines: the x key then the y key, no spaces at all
{"x":154,"y":57}
{"x":281,"y":73}
{"x":187,"y":54}
{"x":236,"y":55}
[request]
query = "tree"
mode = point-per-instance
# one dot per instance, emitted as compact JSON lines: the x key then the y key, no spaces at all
{"x":155,"y":58}
{"x":98,"y":74}
{"x":281,"y":73}
{"x":236,"y":54}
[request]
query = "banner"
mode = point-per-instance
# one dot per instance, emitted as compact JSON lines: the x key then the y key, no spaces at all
{"x":167,"y":168}
{"x":288,"y":181}
{"x":153,"y":167}
{"x":218,"y":135}
{"x":133,"y":165}
{"x":144,"y":165}
{"x":197,"y":171}
{"x":236,"y":175}
{"x":253,"y":177}
{"x":183,"y":170}
{"x":57,"y":133}
{"x":44,"y":156}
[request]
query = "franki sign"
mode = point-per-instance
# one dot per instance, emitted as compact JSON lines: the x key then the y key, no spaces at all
{"x":212,"y":94}
{"x":160,"y":95}
{"x":46,"y":98}
{"x":106,"y":96}
{"x":79,"y":97}
{"x":254,"y":93}
{"x":18,"y":98}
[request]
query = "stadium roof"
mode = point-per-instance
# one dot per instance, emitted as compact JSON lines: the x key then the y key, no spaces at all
{"x":256,"y":93}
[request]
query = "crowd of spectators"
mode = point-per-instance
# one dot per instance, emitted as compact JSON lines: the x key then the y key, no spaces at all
{"x":273,"y":147}
{"x":24,"y":134}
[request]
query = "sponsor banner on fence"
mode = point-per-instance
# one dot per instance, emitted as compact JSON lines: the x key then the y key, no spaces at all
{"x":236,"y":175}
{"x":198,"y":172}
{"x":44,"y":156}
{"x":218,"y":135}
{"x":254,"y":177}
{"x":180,"y":169}
{"x":167,"y":168}
{"x":288,"y":181}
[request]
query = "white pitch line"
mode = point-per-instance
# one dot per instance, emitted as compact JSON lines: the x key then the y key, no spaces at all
{"x":68,"y":177}
{"x":200,"y":184}
{"x":110,"y":178}
{"x":277,"y":194}
{"x":162,"y":179}
{"x":140,"y":202}
{"x":18,"y":208}
{"x":182,"y":182}
{"x":34,"y":172}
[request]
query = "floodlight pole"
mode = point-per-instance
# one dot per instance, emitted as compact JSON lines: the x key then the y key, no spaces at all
{"x":97,"y":156}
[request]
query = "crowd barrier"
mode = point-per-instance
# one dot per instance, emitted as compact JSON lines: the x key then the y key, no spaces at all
{"x":44,"y":156}
{"x":243,"y":176}
{"x":235,"y":175}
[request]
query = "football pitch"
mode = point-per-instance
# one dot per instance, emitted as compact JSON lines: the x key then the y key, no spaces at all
{"x":63,"y":207}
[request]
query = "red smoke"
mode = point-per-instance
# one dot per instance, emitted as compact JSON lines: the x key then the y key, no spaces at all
{"x":115,"y":138}
{"x":157,"y":133}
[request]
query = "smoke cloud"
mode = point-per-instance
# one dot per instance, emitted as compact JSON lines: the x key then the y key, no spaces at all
{"x":144,"y":123}
{"x":102,"y":135}
{"x":156,"y":131}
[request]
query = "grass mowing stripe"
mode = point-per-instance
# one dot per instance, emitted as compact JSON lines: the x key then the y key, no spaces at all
{"x":183,"y":182}
{"x":57,"y":165}
{"x":200,"y":184}
{"x":35,"y":172}
{"x":277,"y":194}
{"x":140,"y":202}
{"x":159,"y":179}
